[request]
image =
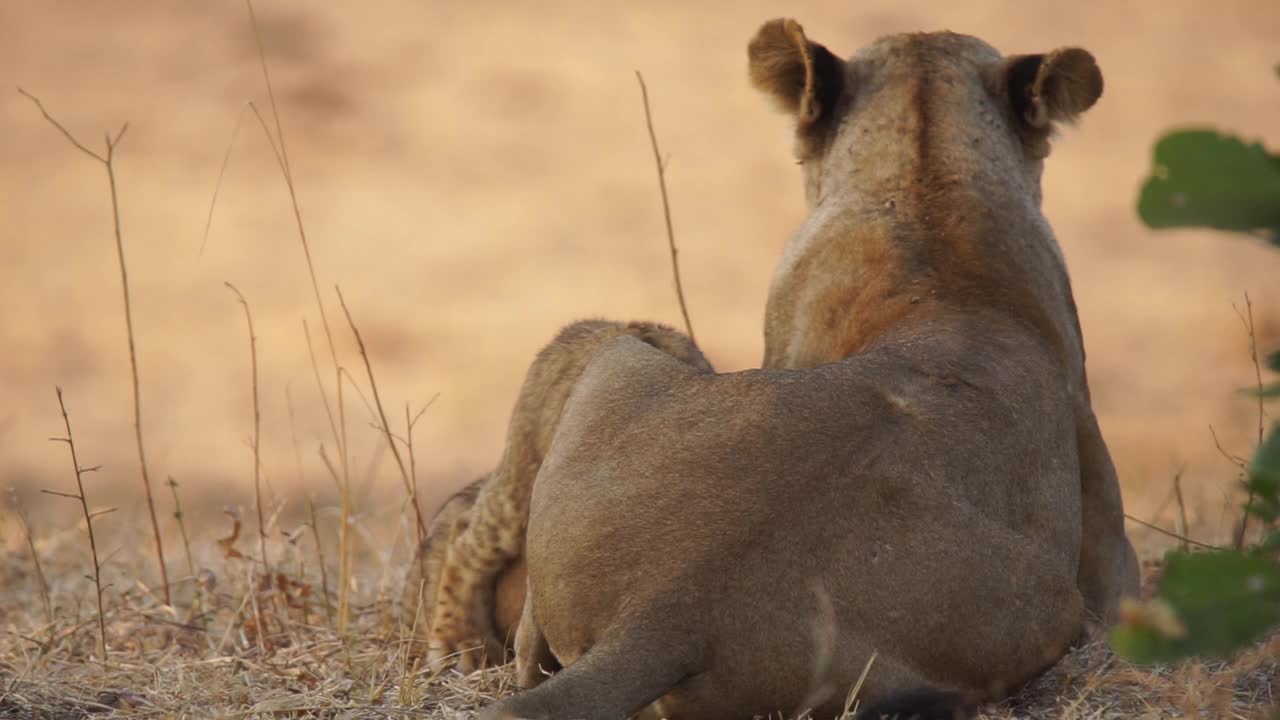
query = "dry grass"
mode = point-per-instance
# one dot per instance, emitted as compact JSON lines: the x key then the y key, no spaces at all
{"x":1092,"y":684}
{"x":108,"y":162}
{"x":215,"y":662}
{"x":256,"y":649}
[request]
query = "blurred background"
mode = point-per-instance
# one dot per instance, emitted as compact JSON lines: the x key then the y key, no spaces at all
{"x":476,"y":175}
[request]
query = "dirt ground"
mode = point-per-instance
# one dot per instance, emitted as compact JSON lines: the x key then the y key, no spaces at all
{"x":474,"y":176}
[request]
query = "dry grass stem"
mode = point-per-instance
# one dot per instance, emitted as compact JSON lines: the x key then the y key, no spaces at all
{"x":409,"y":485}
{"x":281,"y":150}
{"x":344,"y":531}
{"x":408,"y":659}
{"x":1183,"y":526}
{"x":88,"y":522}
{"x":46,"y":601}
{"x":182,"y":527}
{"x":293,"y":434}
{"x":108,"y":162}
{"x":1236,"y":460}
{"x":368,"y":407}
{"x":222,"y":171}
{"x":324,"y":568}
{"x":409,"y":424}
{"x":340,"y":432}
{"x":259,"y":621}
{"x":851,"y":701}
{"x":257,"y":430}
{"x":666,"y":206}
{"x":315,"y":372}
{"x":1170,"y":533}
{"x":331,"y":468}
{"x":1246,"y":318}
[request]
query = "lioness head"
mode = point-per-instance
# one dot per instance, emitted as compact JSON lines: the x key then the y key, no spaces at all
{"x":999,"y":110}
{"x":922,"y":159}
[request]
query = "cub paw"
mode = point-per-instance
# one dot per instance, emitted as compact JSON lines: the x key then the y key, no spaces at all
{"x":457,"y":640}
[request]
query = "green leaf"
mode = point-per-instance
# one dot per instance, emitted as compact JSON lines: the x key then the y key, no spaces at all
{"x":1270,"y":543}
{"x":1224,"y":601}
{"x":1263,"y":484}
{"x":1264,"y":468}
{"x":1266,"y":391}
{"x":1272,"y":361}
{"x":1201,"y":178}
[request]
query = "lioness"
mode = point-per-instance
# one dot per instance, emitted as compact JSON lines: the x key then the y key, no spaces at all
{"x":917,"y":473}
{"x":472,"y":558}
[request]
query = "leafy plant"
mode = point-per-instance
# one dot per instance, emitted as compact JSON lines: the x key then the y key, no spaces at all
{"x":1202,"y":178}
{"x":1214,"y":603}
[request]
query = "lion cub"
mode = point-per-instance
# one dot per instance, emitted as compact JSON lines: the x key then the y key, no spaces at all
{"x":472,"y":559}
{"x":424,"y":575}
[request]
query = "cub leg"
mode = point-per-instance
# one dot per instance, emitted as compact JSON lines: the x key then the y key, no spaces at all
{"x":419,"y":600}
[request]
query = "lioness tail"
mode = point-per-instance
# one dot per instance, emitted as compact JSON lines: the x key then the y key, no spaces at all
{"x":612,"y":681}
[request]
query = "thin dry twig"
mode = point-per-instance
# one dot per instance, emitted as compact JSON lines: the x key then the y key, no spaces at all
{"x":851,"y":700}
{"x":344,"y":532}
{"x":67,"y":133}
{"x":329,"y":466}
{"x":341,"y":479}
{"x":1236,"y":460}
{"x":410,"y":423}
{"x":257,"y":429}
{"x":351,"y":383}
{"x":266,"y":130}
{"x":1246,"y":318}
{"x":315,"y":371}
{"x":324,"y":568}
{"x":182,"y":526}
{"x":666,"y":206}
{"x":1183,"y":526}
{"x":259,"y":619}
{"x":282,"y":155}
{"x":1170,"y":533}
{"x":88,"y":522}
{"x":293,"y":434}
{"x":222,"y":171}
{"x":108,"y":161}
{"x":409,"y":485}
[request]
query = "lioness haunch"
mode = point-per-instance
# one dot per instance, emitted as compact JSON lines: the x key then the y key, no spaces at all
{"x":916,"y":471}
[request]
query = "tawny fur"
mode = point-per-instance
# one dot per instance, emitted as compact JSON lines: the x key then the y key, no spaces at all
{"x":507,"y":591}
{"x":916,"y":471}
{"x":481,"y":564}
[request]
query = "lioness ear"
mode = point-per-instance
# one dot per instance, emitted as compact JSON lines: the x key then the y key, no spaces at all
{"x":803,"y":77}
{"x":1057,"y":87}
